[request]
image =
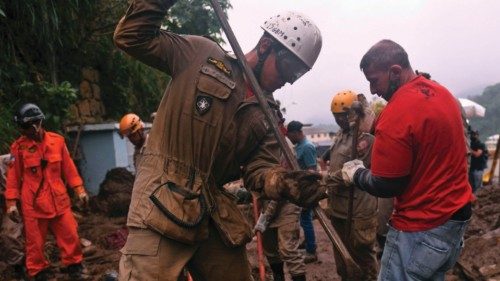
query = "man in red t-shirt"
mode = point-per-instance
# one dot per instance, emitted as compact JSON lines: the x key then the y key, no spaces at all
{"x":419,"y":157}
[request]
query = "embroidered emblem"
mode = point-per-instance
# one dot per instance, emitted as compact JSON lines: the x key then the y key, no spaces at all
{"x":32,"y":149}
{"x":220,"y":65}
{"x":203,"y":104}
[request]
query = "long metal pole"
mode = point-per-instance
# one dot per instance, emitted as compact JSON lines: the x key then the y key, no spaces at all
{"x":331,"y":233}
{"x":260,"y":248}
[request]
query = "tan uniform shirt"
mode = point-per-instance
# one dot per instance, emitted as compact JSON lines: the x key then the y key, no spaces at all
{"x":365,"y":205}
{"x":205,"y":128}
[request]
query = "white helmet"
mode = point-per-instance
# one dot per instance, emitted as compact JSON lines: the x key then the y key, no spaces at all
{"x":297,"y":33}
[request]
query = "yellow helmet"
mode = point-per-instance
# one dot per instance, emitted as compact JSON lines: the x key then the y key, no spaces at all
{"x":130,"y":123}
{"x":343,"y":100}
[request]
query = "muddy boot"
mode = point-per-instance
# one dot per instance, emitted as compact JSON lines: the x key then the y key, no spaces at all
{"x":77,"y":272}
{"x":301,"y":277}
{"x":278,"y":273}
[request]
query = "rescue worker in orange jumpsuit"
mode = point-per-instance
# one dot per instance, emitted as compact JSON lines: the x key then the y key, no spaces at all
{"x":40,"y":160}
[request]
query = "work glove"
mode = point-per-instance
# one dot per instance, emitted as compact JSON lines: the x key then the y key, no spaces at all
{"x":262,"y":223}
{"x":243,"y":196}
{"x":83,"y":197}
{"x":349,"y":169}
{"x":302,"y":188}
{"x":13,"y":212}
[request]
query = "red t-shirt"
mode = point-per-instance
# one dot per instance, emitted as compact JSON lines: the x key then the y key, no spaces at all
{"x":420,"y":134}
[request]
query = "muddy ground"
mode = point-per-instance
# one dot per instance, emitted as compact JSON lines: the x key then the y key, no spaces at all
{"x":479,"y":259}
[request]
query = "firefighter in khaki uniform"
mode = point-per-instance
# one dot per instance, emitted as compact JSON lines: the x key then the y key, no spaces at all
{"x":279,"y":225}
{"x":364,"y":223}
{"x":208,"y":131}
{"x":35,"y":182}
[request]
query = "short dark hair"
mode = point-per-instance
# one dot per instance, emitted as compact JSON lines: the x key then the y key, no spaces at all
{"x":384,"y":54}
{"x":294,"y":126}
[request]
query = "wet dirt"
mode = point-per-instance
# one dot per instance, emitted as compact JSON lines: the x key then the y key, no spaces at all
{"x":114,"y":193}
{"x":479,"y":259}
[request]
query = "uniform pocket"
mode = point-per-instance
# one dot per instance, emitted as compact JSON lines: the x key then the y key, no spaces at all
{"x":140,"y":256}
{"x":144,"y":243}
{"x":427,"y":256}
{"x":54,"y":163}
{"x":232,"y":225}
{"x":179,"y":213}
{"x":365,"y":230}
{"x":209,"y":99}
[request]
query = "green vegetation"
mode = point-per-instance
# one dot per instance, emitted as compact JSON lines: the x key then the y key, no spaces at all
{"x":490,"y":124}
{"x":45,"y":44}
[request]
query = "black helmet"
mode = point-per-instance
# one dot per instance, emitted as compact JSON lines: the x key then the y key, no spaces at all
{"x":28,"y":113}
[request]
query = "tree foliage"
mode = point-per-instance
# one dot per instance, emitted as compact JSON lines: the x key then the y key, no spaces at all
{"x":490,"y":123}
{"x":46,"y":43}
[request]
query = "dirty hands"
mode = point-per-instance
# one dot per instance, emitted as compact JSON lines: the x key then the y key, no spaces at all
{"x":83,"y":197}
{"x":303,"y":188}
{"x":13,"y":212}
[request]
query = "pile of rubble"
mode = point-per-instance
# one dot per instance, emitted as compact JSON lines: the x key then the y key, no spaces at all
{"x":480,"y":258}
{"x":114,"y":193}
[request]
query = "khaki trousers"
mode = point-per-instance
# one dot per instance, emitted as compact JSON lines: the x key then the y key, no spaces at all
{"x":149,"y":256}
{"x":281,"y":244}
{"x":361,"y":246}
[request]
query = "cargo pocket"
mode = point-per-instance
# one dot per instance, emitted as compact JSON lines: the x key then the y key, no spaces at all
{"x":427,"y":257}
{"x":140,"y":256}
{"x":59,"y":188}
{"x":179,"y":213}
{"x":232,"y":225}
{"x":365,"y":231}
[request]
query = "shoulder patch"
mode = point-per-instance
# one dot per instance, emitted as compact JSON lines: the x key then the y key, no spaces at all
{"x":220,"y":65}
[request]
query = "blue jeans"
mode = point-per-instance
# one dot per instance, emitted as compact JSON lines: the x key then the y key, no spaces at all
{"x":476,"y":179}
{"x":306,"y":223}
{"x":423,"y":255}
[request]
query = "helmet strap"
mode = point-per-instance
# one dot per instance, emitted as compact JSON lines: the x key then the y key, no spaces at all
{"x":37,"y":126}
{"x":257,"y":71}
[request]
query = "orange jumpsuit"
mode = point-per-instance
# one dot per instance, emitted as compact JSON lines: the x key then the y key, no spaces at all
{"x":35,"y":179}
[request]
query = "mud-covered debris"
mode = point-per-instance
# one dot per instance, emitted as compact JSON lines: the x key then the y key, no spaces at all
{"x":479,"y":259}
{"x":114,"y":194}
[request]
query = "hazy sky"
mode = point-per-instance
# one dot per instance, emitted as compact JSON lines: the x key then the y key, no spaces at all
{"x":457,"y":41}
